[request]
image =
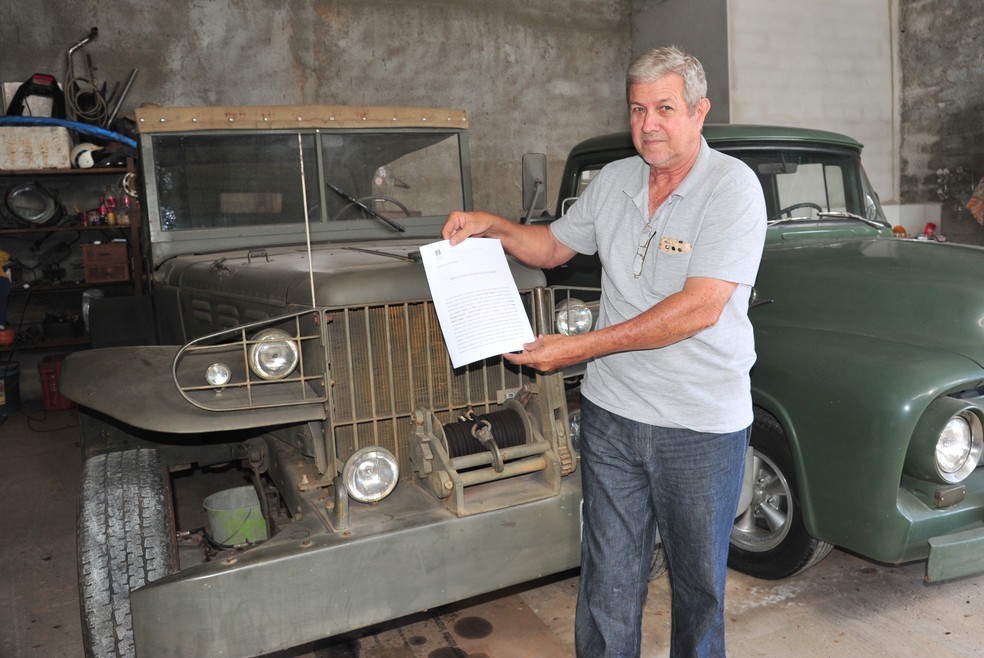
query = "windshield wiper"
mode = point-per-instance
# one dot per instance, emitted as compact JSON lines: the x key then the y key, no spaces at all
{"x":829,"y":214}
{"x":351,"y":199}
{"x":841,"y":214}
{"x":410,"y":258}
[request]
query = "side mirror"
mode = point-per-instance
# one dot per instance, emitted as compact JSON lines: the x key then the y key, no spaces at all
{"x":534,"y":184}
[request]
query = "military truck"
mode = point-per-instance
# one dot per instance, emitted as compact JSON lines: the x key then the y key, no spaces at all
{"x":289,"y":331}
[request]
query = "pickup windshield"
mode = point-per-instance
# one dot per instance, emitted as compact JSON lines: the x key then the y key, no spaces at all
{"x":799,"y":184}
{"x":813,"y":185}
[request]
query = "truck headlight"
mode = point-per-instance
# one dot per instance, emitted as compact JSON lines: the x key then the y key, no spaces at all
{"x":218,"y":374}
{"x":958,"y":447}
{"x":370,"y":474}
{"x":573,"y":317}
{"x":273,"y":354}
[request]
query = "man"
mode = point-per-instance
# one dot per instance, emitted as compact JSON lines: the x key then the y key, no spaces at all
{"x":666,"y":396}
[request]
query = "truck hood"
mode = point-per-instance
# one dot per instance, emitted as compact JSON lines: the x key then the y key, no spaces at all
{"x":907,"y":291}
{"x":343,"y":274}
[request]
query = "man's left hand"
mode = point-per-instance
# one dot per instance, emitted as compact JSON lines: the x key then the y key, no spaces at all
{"x":547,"y":353}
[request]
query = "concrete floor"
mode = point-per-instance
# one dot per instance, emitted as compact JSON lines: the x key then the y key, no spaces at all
{"x":845,"y":606}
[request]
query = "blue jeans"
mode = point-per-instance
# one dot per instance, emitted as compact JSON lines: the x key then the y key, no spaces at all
{"x":638,"y":478}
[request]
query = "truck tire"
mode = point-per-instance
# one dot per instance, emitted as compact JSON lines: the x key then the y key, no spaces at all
{"x":126,"y":539}
{"x":769,"y":539}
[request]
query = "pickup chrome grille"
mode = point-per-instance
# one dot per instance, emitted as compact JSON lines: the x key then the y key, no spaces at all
{"x":386,"y":361}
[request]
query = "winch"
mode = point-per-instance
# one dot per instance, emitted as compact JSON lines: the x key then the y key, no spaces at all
{"x":488,"y":461}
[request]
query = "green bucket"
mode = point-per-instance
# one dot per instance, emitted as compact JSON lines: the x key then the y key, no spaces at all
{"x":234,"y":516}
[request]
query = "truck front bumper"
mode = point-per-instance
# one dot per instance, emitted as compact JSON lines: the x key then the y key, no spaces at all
{"x":306,"y":584}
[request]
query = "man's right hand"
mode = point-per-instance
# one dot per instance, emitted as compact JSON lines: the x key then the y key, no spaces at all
{"x":533,"y":244}
{"x":461,"y":225}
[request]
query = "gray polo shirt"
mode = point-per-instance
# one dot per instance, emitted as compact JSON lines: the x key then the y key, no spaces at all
{"x":712,"y":225}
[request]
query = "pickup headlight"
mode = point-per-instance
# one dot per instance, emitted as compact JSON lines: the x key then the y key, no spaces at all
{"x":958,"y":447}
{"x":573,"y":317}
{"x":946,"y":443}
{"x":272,"y":354}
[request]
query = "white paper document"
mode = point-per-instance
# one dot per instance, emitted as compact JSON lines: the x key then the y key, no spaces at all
{"x":476,"y":299}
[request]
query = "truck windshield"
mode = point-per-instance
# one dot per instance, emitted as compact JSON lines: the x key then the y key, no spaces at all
{"x":240,"y":179}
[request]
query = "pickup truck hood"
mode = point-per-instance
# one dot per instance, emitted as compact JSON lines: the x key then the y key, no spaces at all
{"x":356,"y":273}
{"x":907,"y":291}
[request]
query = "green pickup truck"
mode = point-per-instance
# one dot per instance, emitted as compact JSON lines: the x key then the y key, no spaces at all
{"x":869,"y":382}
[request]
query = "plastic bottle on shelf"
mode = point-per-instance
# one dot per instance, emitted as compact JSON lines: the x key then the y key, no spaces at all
{"x":125,"y":213}
{"x":110,"y":198}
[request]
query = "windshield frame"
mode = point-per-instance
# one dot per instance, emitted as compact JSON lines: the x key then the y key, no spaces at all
{"x":168,"y":243}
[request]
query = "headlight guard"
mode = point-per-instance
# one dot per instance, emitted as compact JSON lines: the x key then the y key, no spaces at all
{"x":272,"y":363}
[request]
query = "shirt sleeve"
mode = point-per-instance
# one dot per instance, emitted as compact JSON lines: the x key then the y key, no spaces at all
{"x":578,"y":228}
{"x":732,"y":235}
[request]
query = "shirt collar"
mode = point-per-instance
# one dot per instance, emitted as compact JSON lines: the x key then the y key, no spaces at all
{"x":637,"y":189}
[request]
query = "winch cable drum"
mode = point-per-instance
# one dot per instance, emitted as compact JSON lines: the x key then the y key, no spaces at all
{"x":506,"y":426}
{"x":509,"y":447}
{"x":505,"y":445}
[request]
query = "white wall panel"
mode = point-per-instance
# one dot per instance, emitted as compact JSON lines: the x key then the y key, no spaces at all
{"x":826,"y":65}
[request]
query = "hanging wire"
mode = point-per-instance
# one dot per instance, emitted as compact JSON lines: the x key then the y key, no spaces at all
{"x":77,"y":88}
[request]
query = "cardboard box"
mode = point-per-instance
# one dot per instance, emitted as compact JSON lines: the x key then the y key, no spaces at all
{"x":34,"y":147}
{"x":105,"y":263}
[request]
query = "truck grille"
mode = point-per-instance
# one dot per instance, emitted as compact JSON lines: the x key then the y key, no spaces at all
{"x":386,"y":361}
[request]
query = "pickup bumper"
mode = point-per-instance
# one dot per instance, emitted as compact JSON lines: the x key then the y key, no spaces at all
{"x":950,"y":538}
{"x":956,"y":555}
{"x":305,"y":584}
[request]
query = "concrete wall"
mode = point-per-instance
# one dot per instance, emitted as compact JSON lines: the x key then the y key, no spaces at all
{"x":532,"y":76}
{"x":700,"y":27}
{"x":902,"y":76}
{"x":825,"y":65}
{"x":941,"y":54}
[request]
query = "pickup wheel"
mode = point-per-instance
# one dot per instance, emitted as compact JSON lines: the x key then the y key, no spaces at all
{"x":769,"y":539}
{"x":126,"y":539}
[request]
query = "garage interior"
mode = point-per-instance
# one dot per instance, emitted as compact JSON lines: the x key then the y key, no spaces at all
{"x":901,"y":76}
